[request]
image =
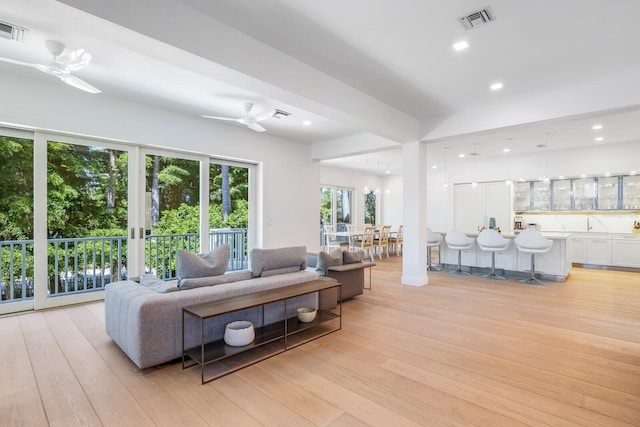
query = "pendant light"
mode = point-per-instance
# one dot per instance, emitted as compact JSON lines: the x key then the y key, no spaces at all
{"x":507,"y":151}
{"x":446,"y":184}
{"x":474,"y":154}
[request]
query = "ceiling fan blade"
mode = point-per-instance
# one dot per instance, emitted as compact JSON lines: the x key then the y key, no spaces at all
{"x":255,"y":126}
{"x":13,"y":61}
{"x":269,"y":112}
{"x":222,"y":118}
{"x":78,"y":83}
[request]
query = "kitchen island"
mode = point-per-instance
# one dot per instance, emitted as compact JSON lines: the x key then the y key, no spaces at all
{"x":554,"y":265}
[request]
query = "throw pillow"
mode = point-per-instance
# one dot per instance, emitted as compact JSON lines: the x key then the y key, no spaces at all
{"x":328,"y":259}
{"x":214,"y":263}
{"x":352,"y":257}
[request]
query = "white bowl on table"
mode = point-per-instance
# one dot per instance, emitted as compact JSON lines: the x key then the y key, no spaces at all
{"x":239,"y":333}
{"x":306,"y":314}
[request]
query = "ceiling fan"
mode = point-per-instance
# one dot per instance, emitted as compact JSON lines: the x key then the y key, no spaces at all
{"x":252,"y":116}
{"x":62,"y":65}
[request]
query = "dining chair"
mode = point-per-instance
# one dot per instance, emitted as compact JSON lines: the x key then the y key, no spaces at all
{"x":364,"y":242}
{"x":381,"y":243}
{"x":351,"y":230}
{"x":396,"y":240}
{"x":330,"y":238}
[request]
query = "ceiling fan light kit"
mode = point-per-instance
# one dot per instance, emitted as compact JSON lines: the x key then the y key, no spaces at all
{"x":62,"y":65}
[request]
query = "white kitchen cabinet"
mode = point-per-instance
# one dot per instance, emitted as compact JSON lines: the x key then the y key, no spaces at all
{"x":473,"y":206}
{"x":625,"y":250}
{"x":591,"y":248}
{"x":470,"y":207}
{"x":599,"y":251}
{"x":578,"y":250}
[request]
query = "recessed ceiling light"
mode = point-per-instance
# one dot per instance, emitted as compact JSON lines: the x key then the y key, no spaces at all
{"x":561,"y":177}
{"x":596,"y":127}
{"x":583,"y":176}
{"x":506,"y":150}
{"x":633,"y":172}
{"x":307,"y":123}
{"x":496,"y":86}
{"x":461,"y":155}
{"x":598,"y":139}
{"x":461,"y":45}
{"x":434,"y":167}
{"x":607,"y":174}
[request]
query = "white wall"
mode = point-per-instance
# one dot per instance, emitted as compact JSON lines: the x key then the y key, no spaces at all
{"x":392,"y":190}
{"x":290,"y":179}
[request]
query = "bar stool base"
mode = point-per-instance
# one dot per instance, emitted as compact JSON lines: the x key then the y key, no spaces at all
{"x":493,"y":276}
{"x":532,"y":281}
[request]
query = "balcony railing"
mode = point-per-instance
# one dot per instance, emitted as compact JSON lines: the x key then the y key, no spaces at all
{"x":78,"y":265}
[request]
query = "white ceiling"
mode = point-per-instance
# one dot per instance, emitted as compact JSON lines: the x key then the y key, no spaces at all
{"x":360,"y":66}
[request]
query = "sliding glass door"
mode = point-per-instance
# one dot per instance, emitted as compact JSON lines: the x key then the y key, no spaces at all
{"x":16,"y":221}
{"x":87,"y":214}
{"x":172,"y":210}
{"x":77,"y":214}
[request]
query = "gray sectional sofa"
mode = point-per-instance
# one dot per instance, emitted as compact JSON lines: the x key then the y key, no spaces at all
{"x":146,"y":321}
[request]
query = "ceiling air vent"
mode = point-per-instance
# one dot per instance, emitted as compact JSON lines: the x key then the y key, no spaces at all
{"x":479,"y":17}
{"x":280,"y":114}
{"x":11,"y":32}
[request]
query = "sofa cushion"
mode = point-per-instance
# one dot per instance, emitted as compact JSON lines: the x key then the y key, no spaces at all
{"x":283,"y":270}
{"x":328,"y":259}
{"x":213,"y":263}
{"x":228,"y":277}
{"x":156,"y":284}
{"x":264,"y":260}
{"x":352,"y":257}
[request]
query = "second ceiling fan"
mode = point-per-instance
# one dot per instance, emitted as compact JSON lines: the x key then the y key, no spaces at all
{"x":253,"y":114}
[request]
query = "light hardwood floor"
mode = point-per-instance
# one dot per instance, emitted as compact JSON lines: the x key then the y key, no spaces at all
{"x":460,"y":351}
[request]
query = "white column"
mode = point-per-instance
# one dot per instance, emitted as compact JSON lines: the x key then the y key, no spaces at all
{"x":414,"y":190}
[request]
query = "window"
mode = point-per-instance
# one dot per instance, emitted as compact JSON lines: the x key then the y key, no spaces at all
{"x":370,"y":207}
{"x":336,"y":207}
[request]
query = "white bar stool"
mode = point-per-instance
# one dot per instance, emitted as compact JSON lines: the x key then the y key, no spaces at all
{"x":530,"y":241}
{"x":433,"y":241}
{"x":459,"y":241}
{"x":490,"y":240}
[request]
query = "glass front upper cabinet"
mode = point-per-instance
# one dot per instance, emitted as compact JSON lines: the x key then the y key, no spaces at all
{"x":584,"y":194}
{"x":631,"y":192}
{"x":608,"y":193}
{"x":561,"y":195}
{"x":541,"y":196}
{"x":521,"y":196}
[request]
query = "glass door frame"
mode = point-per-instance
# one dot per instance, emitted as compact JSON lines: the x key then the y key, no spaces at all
{"x":139,"y":232}
{"x":29,"y":304}
{"x":41,"y":139}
